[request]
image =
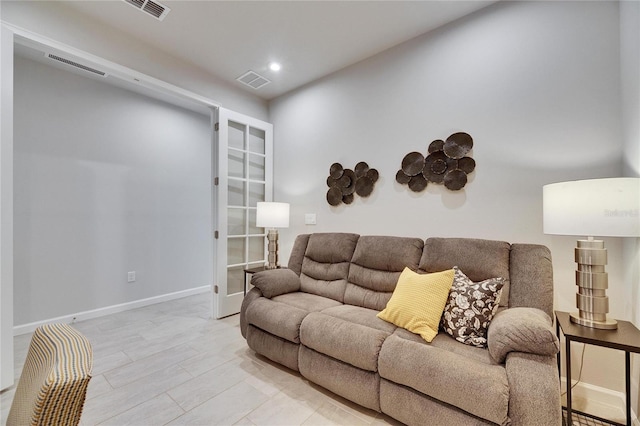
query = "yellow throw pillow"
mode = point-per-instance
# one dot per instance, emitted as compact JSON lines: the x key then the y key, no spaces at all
{"x":418,"y":301}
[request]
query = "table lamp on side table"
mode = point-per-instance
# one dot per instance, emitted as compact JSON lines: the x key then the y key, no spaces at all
{"x":272,"y":215}
{"x":595,"y":207}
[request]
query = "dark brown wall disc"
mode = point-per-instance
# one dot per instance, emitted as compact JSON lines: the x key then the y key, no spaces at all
{"x":335,"y":171}
{"x":436,"y":145}
{"x":364,"y":186}
{"x":347,"y":199}
{"x":402,"y":177}
{"x":458,"y":145}
{"x":334,"y":196}
{"x":455,"y":179}
{"x":413,"y":163}
{"x":417,"y":183}
{"x":373,"y":175}
{"x":361,"y":169}
{"x":467,"y":164}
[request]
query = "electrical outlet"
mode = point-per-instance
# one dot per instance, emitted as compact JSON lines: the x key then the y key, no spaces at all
{"x":131,"y":276}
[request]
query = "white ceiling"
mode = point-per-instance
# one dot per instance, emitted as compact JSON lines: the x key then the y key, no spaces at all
{"x":311,"y":39}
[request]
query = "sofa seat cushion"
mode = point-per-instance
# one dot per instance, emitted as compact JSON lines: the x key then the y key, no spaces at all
{"x":449,"y":376}
{"x":306,"y":301}
{"x":360,"y":315}
{"x":350,"y":334}
{"x":282,"y":315}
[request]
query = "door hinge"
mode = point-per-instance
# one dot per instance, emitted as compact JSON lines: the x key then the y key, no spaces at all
{"x":216,"y":181}
{"x":216,"y":235}
{"x":216,"y":127}
{"x":215,"y":289}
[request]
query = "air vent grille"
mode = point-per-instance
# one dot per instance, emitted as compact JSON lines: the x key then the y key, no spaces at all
{"x":153,"y":8}
{"x":253,"y":80}
{"x":75,"y":64}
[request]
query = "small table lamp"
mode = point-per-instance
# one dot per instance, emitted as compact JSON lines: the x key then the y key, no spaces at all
{"x":272,"y":215}
{"x":602,"y":207}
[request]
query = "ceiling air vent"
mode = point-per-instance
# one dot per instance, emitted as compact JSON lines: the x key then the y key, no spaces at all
{"x":153,"y":8}
{"x":253,"y":80}
{"x":75,"y":64}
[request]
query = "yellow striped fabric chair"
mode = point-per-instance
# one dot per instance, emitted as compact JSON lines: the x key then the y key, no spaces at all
{"x":54,"y":379}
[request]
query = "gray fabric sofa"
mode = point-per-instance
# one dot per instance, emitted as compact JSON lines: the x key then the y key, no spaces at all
{"x":318,"y":317}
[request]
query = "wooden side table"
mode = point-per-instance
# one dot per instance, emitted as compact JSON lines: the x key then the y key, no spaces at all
{"x":625,"y":338}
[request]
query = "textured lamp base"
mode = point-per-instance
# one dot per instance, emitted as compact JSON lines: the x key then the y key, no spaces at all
{"x":272,"y":257}
{"x":592,"y":282}
{"x":607,"y":324}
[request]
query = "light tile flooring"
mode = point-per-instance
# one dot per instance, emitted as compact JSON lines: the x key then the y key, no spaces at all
{"x":170,"y":364}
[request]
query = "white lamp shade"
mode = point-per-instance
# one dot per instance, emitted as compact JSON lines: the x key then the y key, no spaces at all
{"x":272,"y":215}
{"x":595,"y":207}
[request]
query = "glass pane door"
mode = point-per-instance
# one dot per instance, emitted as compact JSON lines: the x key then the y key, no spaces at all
{"x":245,"y":178}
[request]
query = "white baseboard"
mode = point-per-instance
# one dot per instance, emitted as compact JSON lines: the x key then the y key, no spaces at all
{"x":107,"y":310}
{"x":602,"y":397}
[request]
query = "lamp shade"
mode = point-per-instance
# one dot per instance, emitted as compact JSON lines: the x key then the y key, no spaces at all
{"x":594,"y":207}
{"x":272,"y":215}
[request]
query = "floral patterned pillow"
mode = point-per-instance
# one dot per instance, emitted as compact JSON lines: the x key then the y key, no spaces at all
{"x":470,"y":308}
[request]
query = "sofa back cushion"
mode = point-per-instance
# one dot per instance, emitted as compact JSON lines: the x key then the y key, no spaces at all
{"x":375,"y":267}
{"x":478,"y":259}
{"x":325,"y":267}
{"x":297,"y":253}
{"x":531,"y":277}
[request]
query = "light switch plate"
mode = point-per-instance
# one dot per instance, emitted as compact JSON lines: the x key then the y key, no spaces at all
{"x":310,"y":219}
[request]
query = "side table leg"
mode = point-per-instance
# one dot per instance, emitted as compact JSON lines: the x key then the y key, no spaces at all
{"x":567,"y":354}
{"x":627,"y":366}
{"x":559,"y":353}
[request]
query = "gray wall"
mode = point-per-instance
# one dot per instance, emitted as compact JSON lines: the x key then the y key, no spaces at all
{"x":537,"y":84}
{"x":630,"y":71}
{"x":106,"y":181}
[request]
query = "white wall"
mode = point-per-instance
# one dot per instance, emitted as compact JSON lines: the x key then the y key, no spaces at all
{"x":630,"y":71}
{"x":6,"y":207}
{"x":106,"y":181}
{"x":65,"y":25}
{"x":537,"y":85}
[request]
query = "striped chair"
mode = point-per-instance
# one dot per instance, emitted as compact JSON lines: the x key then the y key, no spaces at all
{"x":54,"y":379}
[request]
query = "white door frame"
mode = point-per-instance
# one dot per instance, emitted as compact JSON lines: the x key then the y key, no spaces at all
{"x":10,"y":34}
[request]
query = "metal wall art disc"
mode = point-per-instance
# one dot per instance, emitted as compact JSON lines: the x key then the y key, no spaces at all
{"x":361,"y":169}
{"x":446,"y":163}
{"x":402,"y":177}
{"x":458,"y":145}
{"x":334,"y":196}
{"x":455,"y":179}
{"x":345,"y":183}
{"x":335,"y":171}
{"x":467,"y":164}
{"x":418,"y":183}
{"x":364,"y":186}
{"x":436,"y":145}
{"x":413,"y":163}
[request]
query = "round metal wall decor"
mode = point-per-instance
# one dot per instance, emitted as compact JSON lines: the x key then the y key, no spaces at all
{"x":446,"y":163}
{"x":344,"y":184}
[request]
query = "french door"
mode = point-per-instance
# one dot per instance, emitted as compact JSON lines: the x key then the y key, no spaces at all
{"x":244,"y":167}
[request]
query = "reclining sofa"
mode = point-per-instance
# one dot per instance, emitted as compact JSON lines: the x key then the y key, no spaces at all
{"x":319,"y":317}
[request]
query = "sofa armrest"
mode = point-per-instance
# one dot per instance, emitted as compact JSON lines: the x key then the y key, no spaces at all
{"x":274,"y":282}
{"x":534,"y":389}
{"x":526,"y":330}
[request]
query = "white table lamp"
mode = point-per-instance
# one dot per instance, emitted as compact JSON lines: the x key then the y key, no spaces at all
{"x":595,"y":207}
{"x":272,"y":215}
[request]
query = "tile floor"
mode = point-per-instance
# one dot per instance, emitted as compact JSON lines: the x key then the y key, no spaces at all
{"x":169,"y":364}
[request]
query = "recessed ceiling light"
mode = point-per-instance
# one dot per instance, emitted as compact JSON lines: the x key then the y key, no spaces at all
{"x":274,"y":66}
